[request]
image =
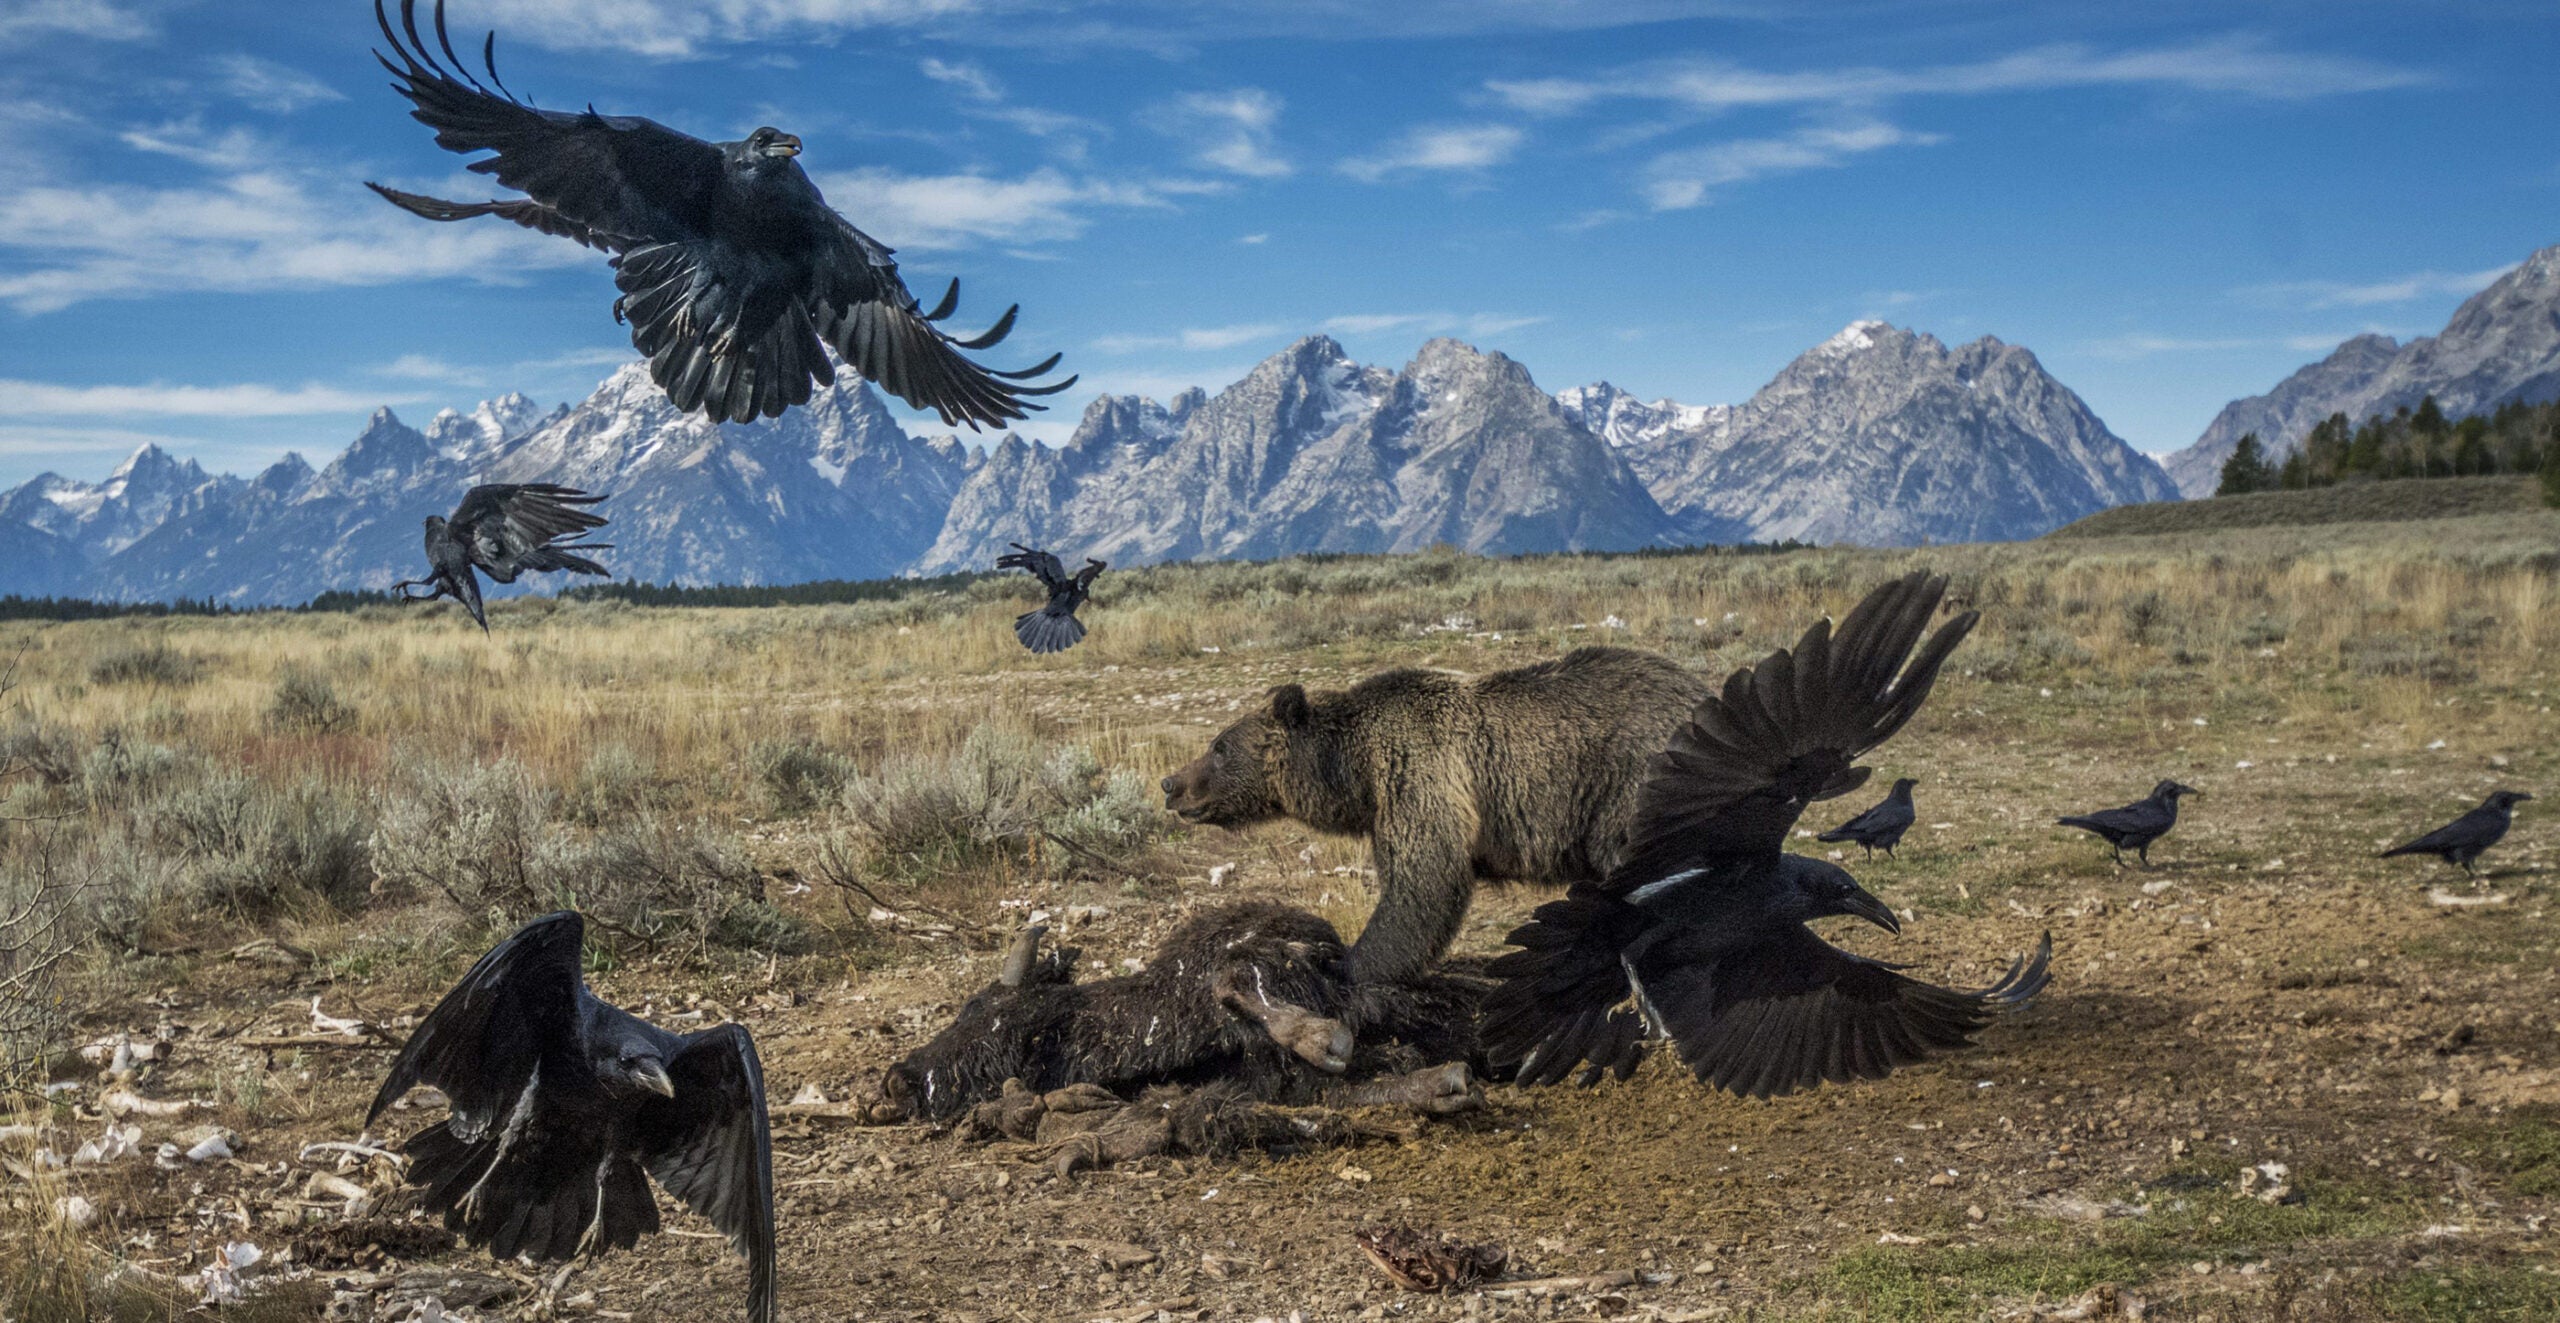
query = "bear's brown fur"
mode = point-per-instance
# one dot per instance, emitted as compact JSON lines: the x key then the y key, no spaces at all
{"x":1526,"y":774}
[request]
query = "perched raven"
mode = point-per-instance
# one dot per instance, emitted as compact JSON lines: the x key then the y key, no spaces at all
{"x":503,"y":530}
{"x":2461,"y":840}
{"x":1700,"y":935}
{"x":560,"y":1103}
{"x":736,"y":276}
{"x":1881,"y":827}
{"x":1052,"y":628}
{"x":2137,"y":824}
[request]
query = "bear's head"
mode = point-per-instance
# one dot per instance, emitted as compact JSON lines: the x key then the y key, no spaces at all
{"x":1239,"y":780}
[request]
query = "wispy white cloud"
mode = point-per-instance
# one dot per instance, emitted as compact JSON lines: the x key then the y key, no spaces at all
{"x":28,"y":20}
{"x":984,"y":98}
{"x":1212,"y":338}
{"x":973,"y":81}
{"x":43,"y":399}
{"x":676,"y":29}
{"x":2240,"y":66}
{"x":189,"y":140}
{"x":22,"y":440}
{"x":1194,"y":338}
{"x":1233,"y":131}
{"x":1688,"y":178}
{"x":245,"y":231}
{"x":1460,"y":147}
{"x":1251,"y":239}
{"x":2395,"y":289}
{"x":965,"y":210}
{"x":272,"y":86}
{"x":2143,"y":344}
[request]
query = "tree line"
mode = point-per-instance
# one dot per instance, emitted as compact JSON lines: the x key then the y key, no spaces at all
{"x":2406,"y":443}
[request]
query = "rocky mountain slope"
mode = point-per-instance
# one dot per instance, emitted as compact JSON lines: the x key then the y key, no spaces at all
{"x":2502,"y":344}
{"x":1885,"y":436}
{"x":1879,"y":435}
{"x":1313,"y":452}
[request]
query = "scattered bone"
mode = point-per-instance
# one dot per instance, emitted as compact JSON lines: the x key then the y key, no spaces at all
{"x":223,"y":1280}
{"x":2448,"y":900}
{"x":2269,"y":1183}
{"x":125,"y":1102}
{"x":330,"y":1024}
{"x":75,"y":1212}
{"x":1425,"y":1261}
{"x":349,"y":1154}
{"x":1117,"y":1255}
{"x":118,"y":1143}
{"x":810,"y":1095}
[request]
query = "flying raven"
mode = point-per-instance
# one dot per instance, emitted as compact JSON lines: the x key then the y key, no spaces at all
{"x":1054,"y":627}
{"x":560,"y":1103}
{"x":503,"y":530}
{"x":1700,"y":936}
{"x":736,"y":276}
{"x":2461,"y":840}
{"x":2137,"y":824}
{"x":1881,"y":827}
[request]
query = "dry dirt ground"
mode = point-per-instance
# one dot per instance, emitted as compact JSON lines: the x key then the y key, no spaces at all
{"x":2385,"y":1030}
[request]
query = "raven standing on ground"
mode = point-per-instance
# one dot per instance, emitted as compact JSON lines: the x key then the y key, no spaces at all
{"x":503,"y":530}
{"x":561,"y":1103}
{"x":1052,"y":628}
{"x":1700,"y":935}
{"x":1881,"y":827}
{"x":2137,"y":824}
{"x":736,"y":276}
{"x":2460,"y":841}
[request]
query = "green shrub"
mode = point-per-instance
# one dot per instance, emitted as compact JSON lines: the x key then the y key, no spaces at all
{"x":154,"y":663}
{"x":306,"y":703}
{"x":797,"y":775}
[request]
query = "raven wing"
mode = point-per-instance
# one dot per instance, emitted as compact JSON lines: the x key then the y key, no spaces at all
{"x":1092,"y":570}
{"x":523,"y":211}
{"x":1787,"y":732}
{"x":620,"y":178}
{"x":1044,"y":566}
{"x":864,"y":312}
{"x":711,"y":1146}
{"x":1795,"y":1011}
{"x":2480,"y":826}
{"x":2141,"y":816}
{"x":510,"y":528}
{"x":484,"y":1043}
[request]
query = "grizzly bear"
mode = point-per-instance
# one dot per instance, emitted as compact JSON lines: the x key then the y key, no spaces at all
{"x":1526,"y":775}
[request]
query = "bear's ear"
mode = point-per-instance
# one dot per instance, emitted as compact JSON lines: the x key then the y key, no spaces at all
{"x":1289,"y":706}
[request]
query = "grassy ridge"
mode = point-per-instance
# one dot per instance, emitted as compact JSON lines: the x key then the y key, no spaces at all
{"x":2350,"y":503}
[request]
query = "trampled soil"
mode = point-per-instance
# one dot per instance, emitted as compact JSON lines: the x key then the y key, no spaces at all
{"x":2271,"y":994}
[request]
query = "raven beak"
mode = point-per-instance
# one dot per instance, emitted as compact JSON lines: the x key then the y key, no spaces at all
{"x":1865,"y":906}
{"x":650,"y":1074}
{"x":786,"y":145}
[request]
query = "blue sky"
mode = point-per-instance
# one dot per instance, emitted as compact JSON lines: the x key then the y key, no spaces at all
{"x":2173,"y":204}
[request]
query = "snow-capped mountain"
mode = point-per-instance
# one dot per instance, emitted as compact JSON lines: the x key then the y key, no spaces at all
{"x":1885,"y":436}
{"x":1878,"y":435}
{"x":100,"y":519}
{"x":2502,"y":345}
{"x":1313,"y":452}
{"x":1656,"y":438}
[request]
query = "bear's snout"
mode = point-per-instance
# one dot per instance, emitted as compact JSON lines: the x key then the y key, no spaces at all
{"x":1186,"y":791}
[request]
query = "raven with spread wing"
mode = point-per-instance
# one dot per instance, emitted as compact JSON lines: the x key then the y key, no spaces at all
{"x":502,"y":530}
{"x":563,"y":1107}
{"x":1054,"y":627}
{"x":736,"y":276}
{"x":2465,"y":838}
{"x":1700,"y":936}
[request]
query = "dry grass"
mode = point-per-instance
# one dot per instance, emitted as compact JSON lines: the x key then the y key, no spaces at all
{"x":384,"y":773}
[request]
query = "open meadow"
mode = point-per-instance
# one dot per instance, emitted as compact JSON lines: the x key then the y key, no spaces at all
{"x":2275,"y":1078}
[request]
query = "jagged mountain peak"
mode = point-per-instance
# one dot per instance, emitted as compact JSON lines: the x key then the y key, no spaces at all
{"x":2502,"y":345}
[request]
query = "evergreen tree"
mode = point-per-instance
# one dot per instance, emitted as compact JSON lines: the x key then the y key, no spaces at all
{"x":2246,"y":470}
{"x":2551,"y":471}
